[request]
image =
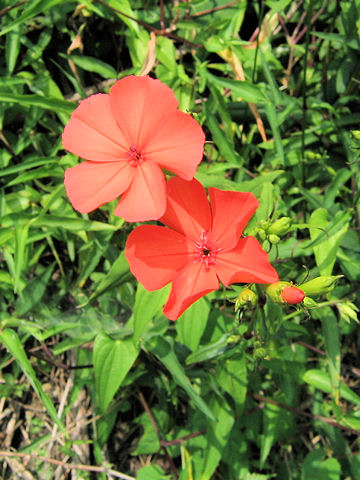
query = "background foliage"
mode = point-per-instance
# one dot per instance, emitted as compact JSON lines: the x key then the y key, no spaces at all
{"x":95,"y":382}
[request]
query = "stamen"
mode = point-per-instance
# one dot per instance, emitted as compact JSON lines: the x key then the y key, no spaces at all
{"x":206,"y":251}
{"x":135,"y":157}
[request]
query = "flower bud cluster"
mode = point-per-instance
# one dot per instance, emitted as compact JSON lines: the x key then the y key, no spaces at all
{"x":273,"y":231}
{"x":246,"y":298}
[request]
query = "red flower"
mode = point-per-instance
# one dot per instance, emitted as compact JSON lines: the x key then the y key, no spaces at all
{"x":292,"y":295}
{"x":202,"y":246}
{"x":127,"y":137}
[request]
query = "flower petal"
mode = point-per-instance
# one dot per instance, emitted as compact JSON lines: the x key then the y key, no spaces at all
{"x":146,"y":197}
{"x":193,"y":282}
{"x":155,"y":255}
{"x":92,"y":132}
{"x":246,"y":263}
{"x":231,"y":213}
{"x":188,"y":210}
{"x":91,"y":184}
{"x":177,"y":144}
{"x":139,"y":104}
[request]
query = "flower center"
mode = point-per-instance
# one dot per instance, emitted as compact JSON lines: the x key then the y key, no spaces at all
{"x":135,"y":157}
{"x":206,"y":251}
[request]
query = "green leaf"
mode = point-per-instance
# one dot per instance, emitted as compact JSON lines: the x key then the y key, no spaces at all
{"x":36,"y":173}
{"x":12,"y":342}
{"x":341,"y":177}
{"x":151,"y":472}
{"x":32,"y":9}
{"x":124,"y":6}
{"x":92,"y":64}
{"x":34,"y":291}
{"x":112,"y":361}
{"x":118,"y":274}
{"x":149,"y":442}
{"x":163,"y":348}
{"x":192,"y":323}
{"x":12,"y":49}
{"x":266,"y":203}
{"x":326,"y":251}
{"x":147,"y":306}
{"x":316,"y":466}
{"x":21,"y":236}
{"x":217,"y":436}
{"x":274,"y":124}
{"x":217,"y":348}
{"x":219,"y":136}
{"x":33,"y":161}
{"x":332,"y":347}
{"x":73,"y":224}
{"x":321,"y":380}
{"x":245,"y":90}
{"x":276,"y":421}
{"x":231,"y":374}
{"x":166,"y":53}
{"x":54,"y":104}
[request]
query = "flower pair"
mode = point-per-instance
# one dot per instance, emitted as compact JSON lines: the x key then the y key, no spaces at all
{"x":126,"y":138}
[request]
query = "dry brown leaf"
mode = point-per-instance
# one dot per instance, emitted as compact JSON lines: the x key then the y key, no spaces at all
{"x":150,"y":56}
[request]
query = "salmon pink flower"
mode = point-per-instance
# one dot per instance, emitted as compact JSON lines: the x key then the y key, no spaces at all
{"x":202,"y":245}
{"x":126,"y":137}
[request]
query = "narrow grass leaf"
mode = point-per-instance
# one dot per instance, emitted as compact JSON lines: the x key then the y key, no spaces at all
{"x":27,"y":164}
{"x":321,"y":380}
{"x":32,"y":9}
{"x":270,"y":110}
{"x":164,"y":350}
{"x":91,"y":64}
{"x":242,"y":89}
{"x":34,"y":291}
{"x":12,"y":342}
{"x":33,"y":100}
{"x":12,"y":48}
{"x":21,"y":235}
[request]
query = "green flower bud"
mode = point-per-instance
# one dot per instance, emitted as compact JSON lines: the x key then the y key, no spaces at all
{"x":281,"y":226}
{"x":320,"y":285}
{"x":245,"y":298}
{"x":312,"y":155}
{"x":261,"y":234}
{"x":274,"y":291}
{"x":274,"y":239}
{"x":264,"y":224}
{"x":309,"y":302}
{"x":259,"y":353}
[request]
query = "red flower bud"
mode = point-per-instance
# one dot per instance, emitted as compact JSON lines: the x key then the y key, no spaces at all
{"x":292,"y":295}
